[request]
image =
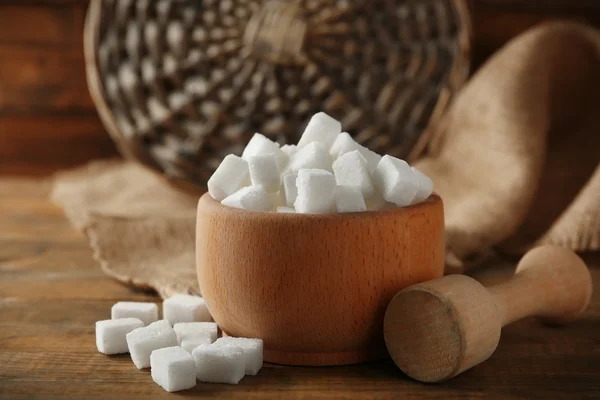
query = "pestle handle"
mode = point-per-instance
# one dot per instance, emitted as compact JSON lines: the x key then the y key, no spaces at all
{"x":550,"y":282}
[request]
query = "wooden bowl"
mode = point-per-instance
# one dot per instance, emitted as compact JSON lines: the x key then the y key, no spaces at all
{"x":314,"y":287}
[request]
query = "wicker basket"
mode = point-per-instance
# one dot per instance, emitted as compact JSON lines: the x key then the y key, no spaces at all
{"x":181,"y":84}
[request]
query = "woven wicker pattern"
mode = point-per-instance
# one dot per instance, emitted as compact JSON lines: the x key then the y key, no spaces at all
{"x":180,"y":84}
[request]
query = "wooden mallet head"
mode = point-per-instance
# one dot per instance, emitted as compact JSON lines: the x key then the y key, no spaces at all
{"x":437,"y":329}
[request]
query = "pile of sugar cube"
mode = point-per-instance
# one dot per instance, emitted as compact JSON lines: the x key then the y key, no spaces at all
{"x":181,"y":348}
{"x":327,"y":171}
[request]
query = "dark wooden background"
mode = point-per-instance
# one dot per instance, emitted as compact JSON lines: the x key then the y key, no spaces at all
{"x":48,"y":121}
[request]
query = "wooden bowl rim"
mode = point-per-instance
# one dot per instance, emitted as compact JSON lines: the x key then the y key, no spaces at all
{"x":207,"y":203}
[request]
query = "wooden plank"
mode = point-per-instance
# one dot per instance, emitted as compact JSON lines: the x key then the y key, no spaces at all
{"x":42,"y":144}
{"x":38,"y":79}
{"x":24,"y":23}
{"x":51,"y":292}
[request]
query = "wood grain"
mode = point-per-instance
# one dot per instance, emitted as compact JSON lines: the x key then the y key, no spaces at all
{"x":314,"y":287}
{"x":52,"y":293}
{"x":438,"y":329}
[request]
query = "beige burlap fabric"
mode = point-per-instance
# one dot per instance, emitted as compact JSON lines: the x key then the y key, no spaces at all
{"x":516,"y":160}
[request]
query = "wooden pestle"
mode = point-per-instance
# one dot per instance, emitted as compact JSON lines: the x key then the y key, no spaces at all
{"x":437,"y":329}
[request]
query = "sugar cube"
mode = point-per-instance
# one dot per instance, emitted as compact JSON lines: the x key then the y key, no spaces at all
{"x":289,"y":189}
{"x":288,"y":210}
{"x":173,"y":369}
{"x":425,"y":186}
{"x":219,"y":364}
{"x":143,"y":341}
{"x":376,"y":202}
{"x":264,"y":172}
{"x":351,"y":169}
{"x":190,"y":344}
{"x":316,"y":191}
{"x":253,"y":351}
{"x":110,"y":334}
{"x":190,"y":330}
{"x":349,"y":199}
{"x":395,"y":180}
{"x":312,"y":156}
{"x":344,"y":144}
{"x":321,"y":128}
{"x":185,"y":308}
{"x":253,"y":198}
{"x":289,"y":149}
{"x":261,"y":145}
{"x":147,"y":312}
{"x":231,"y":175}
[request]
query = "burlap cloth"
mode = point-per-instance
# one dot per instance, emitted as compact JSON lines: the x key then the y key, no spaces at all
{"x":516,"y":160}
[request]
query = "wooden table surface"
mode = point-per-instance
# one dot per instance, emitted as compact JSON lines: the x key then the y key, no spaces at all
{"x":52,"y":292}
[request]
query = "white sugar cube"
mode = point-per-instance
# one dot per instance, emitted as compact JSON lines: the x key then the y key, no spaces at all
{"x":191,"y":330}
{"x":253,"y":198}
{"x":316,"y":191}
{"x":345,"y":144}
{"x":219,"y":364}
{"x":190,"y":344}
{"x":143,"y":341}
{"x":264,"y":172}
{"x":173,"y":369}
{"x":425,"y":187}
{"x":185,"y":308}
{"x":312,"y":156}
{"x":261,"y":145}
{"x":147,"y":312}
{"x":288,"y":210}
{"x":253,"y":351}
{"x":111,"y":333}
{"x":321,"y":128}
{"x":289,"y":149}
{"x":351,"y":169}
{"x":376,"y":202}
{"x":289,"y":189}
{"x":395,"y":180}
{"x":231,"y":175}
{"x":349,"y":199}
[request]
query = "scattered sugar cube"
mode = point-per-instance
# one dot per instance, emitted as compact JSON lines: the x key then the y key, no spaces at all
{"x":289,"y":189}
{"x":264,"y":172}
{"x":321,"y":128}
{"x":231,"y":175}
{"x":288,"y":210}
{"x":147,"y":312}
{"x":185,"y":308}
{"x":395,"y":180}
{"x":190,"y":344}
{"x":253,"y":351}
{"x":173,"y":369}
{"x":110,"y":334}
{"x":253,"y":198}
{"x":312,"y":156}
{"x":425,"y":187}
{"x":143,"y":341}
{"x":351,"y":169}
{"x":316,"y":191}
{"x":261,"y":145}
{"x":191,"y":330}
{"x":219,"y":364}
{"x":349,"y":199}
